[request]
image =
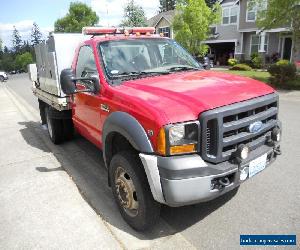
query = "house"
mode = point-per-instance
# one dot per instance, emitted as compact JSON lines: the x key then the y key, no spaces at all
{"x":162,"y":23}
{"x":237,"y":36}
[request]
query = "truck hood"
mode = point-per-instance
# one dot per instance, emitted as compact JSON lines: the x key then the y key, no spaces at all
{"x":183,"y":96}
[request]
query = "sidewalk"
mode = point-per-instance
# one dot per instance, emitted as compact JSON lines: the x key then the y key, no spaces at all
{"x":40,"y":205}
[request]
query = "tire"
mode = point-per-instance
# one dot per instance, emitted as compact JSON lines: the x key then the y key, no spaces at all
{"x":1,"y":79}
{"x":143,"y":211}
{"x":55,"y":128}
{"x":42,"y":107}
{"x":68,"y":129}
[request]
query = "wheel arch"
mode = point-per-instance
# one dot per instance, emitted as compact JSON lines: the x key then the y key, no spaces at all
{"x":126,"y":126}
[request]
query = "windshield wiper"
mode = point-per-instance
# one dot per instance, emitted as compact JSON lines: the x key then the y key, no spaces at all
{"x":182,"y":68}
{"x":135,"y":74}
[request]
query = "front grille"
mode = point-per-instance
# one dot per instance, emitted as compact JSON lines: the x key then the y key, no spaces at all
{"x":223,"y":129}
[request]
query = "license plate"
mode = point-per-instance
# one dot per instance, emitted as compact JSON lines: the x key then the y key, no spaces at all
{"x":257,"y":165}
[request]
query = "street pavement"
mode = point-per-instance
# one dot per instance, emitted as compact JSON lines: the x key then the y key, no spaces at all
{"x":57,"y":196}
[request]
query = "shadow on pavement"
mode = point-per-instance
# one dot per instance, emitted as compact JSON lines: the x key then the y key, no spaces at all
{"x":47,"y":170}
{"x":84,"y":163}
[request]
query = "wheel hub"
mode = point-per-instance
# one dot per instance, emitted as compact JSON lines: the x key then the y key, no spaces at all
{"x":126,"y":192}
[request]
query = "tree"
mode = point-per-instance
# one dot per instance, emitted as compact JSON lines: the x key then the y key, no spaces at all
{"x":134,"y":15}
{"x":191,"y":24}
{"x":16,"y":41}
{"x":7,"y":63}
{"x":1,"y":49}
{"x":79,"y":16}
{"x":36,"y":35}
{"x":166,"y":5}
{"x":23,"y":60}
{"x":281,"y":13}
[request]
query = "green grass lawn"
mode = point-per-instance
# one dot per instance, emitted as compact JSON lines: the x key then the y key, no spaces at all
{"x":264,"y":77}
{"x":257,"y":75}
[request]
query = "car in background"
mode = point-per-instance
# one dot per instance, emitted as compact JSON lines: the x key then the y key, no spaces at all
{"x":206,"y":62}
{"x":3,"y":76}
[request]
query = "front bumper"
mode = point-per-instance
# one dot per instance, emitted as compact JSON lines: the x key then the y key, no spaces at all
{"x":184,"y":180}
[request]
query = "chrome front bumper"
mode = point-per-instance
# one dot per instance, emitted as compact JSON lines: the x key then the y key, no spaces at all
{"x":184,"y":180}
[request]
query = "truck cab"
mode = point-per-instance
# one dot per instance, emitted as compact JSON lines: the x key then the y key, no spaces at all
{"x":170,"y":132}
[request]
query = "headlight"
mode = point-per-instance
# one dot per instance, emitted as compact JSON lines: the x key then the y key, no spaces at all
{"x":176,"y":134}
{"x":178,"y":139}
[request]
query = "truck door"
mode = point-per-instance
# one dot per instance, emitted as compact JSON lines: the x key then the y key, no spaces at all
{"x":86,"y":110}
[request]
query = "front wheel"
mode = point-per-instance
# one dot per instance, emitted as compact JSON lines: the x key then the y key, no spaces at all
{"x":132,"y":192}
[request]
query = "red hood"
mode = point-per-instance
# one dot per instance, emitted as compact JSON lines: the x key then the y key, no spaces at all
{"x":183,"y":96}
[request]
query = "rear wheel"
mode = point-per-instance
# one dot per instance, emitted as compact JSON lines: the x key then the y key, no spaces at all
{"x":132,"y":192}
{"x":55,"y":128}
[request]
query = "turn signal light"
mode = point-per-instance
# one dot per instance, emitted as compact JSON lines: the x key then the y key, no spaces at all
{"x":183,"y":149}
{"x":161,"y":142}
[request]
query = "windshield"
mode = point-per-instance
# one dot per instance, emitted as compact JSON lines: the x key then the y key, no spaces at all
{"x":142,"y":57}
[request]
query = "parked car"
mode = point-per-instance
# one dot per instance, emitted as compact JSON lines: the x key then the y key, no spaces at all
{"x":3,"y":76}
{"x":170,"y":132}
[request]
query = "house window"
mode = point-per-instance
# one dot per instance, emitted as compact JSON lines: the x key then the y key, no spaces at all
{"x":255,"y":43}
{"x":252,"y":9}
{"x":233,"y":14}
{"x":226,"y":16}
{"x":165,"y":31}
{"x":230,"y":15}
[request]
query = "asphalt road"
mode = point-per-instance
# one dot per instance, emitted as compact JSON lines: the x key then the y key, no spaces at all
{"x":269,"y":203}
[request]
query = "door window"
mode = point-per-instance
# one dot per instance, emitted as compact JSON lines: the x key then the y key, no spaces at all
{"x":86,"y":65}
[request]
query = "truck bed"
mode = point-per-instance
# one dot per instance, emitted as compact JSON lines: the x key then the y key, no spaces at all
{"x":52,"y":57}
{"x":57,"y":102}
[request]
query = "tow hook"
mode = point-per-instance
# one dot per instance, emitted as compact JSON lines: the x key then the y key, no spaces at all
{"x":220,"y":183}
{"x":224,"y":182}
{"x":277,"y":151}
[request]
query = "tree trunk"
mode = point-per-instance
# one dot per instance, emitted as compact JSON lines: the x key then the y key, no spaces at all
{"x":296,"y":37}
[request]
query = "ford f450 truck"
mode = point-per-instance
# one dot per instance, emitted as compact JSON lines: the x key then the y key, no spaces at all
{"x":170,"y":132}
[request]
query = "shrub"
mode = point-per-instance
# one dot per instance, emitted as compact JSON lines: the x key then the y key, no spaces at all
{"x":256,"y":61}
{"x":282,"y":71}
{"x":232,"y":62}
{"x":242,"y":67}
{"x":282,"y":62}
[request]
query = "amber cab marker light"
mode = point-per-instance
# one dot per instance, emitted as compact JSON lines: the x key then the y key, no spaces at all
{"x":161,"y":142}
{"x":182,"y":149}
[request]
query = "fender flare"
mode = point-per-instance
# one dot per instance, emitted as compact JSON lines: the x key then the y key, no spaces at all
{"x":129,"y":127}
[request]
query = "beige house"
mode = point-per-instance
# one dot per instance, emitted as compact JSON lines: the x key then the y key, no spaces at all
{"x":162,"y":23}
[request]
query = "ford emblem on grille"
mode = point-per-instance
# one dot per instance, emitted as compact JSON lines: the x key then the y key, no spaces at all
{"x":255,"y":127}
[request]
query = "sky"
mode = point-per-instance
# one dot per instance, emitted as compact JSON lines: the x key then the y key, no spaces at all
{"x":22,"y":14}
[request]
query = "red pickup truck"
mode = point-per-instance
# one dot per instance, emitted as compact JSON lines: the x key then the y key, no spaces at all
{"x":170,"y":132}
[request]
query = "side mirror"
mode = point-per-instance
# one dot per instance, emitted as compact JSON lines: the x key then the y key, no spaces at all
{"x":68,"y":82}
